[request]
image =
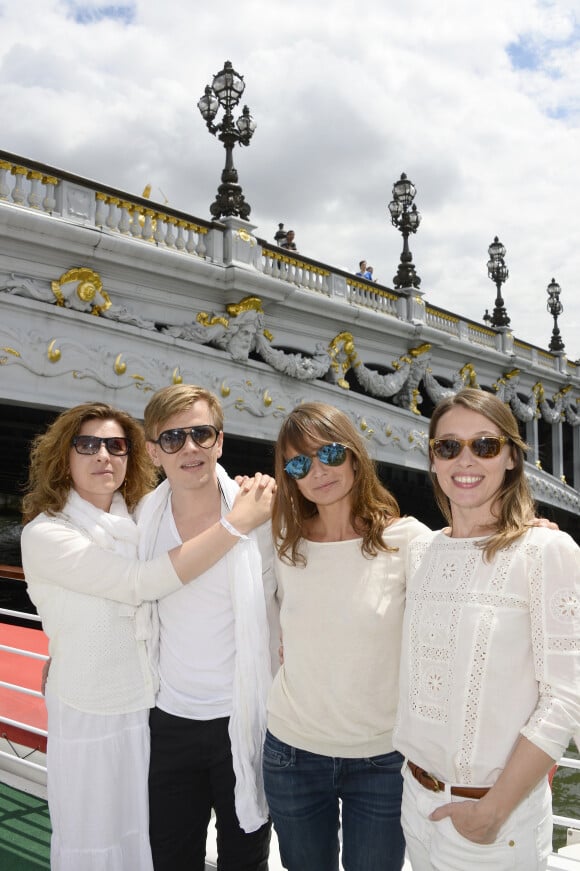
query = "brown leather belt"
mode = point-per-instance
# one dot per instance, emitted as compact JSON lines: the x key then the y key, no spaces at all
{"x":429,"y":781}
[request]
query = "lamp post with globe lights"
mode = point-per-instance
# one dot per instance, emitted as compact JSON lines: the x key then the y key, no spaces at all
{"x":226,"y":91}
{"x":555,"y":308}
{"x":499,"y":273}
{"x":406,"y":218}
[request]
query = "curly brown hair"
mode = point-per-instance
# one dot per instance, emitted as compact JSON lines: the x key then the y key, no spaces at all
{"x":372,"y":505}
{"x":513,"y":506}
{"x":49,"y":481}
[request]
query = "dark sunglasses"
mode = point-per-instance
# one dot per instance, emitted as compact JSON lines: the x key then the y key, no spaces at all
{"x":117,"y":446}
{"x":484,"y":447}
{"x":172,"y":440}
{"x":331,"y":455}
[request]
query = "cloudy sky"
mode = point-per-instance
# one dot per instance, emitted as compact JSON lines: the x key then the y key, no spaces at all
{"x":479,"y":103}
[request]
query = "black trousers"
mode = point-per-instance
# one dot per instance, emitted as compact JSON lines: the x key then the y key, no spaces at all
{"x":190,"y":773}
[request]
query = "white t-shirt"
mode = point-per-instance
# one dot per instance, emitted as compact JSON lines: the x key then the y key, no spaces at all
{"x":197,"y":645}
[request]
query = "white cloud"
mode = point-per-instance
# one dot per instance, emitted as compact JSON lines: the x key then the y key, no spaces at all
{"x":346,"y":97}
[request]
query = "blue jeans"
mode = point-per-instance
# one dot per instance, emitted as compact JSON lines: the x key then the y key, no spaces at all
{"x":303,"y":791}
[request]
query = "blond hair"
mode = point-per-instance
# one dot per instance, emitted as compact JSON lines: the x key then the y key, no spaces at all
{"x":513,"y":505}
{"x":175,"y":399}
{"x":372,"y":505}
{"x":49,"y":481}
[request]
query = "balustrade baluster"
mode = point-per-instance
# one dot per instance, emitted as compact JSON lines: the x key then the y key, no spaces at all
{"x":4,"y":188}
{"x":137,"y":221}
{"x":190,"y":244}
{"x":18,"y":195}
{"x":34,"y":196}
{"x":148,"y":225}
{"x":101,"y":209}
{"x":201,"y":249}
{"x":170,"y":236}
{"x":159,"y":233}
{"x":125,"y":220}
{"x":112,"y":217}
{"x":49,"y":201}
{"x":180,"y":242}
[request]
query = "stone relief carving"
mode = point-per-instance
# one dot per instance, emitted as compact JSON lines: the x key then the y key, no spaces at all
{"x":241,"y":331}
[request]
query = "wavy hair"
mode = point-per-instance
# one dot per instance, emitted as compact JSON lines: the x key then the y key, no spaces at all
{"x":513,"y":505}
{"x":372,"y":505}
{"x":49,"y":481}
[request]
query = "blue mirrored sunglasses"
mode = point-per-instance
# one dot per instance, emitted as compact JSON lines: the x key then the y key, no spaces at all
{"x":331,"y":455}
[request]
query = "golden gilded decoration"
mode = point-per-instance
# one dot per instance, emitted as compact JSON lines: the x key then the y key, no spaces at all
{"x":414,"y":407}
{"x":176,"y":376}
{"x":19,"y":170}
{"x":343,"y":342}
{"x":563,"y":479}
{"x":90,"y":286}
{"x":204,"y":319}
{"x":53,"y":353}
{"x":224,"y":390}
{"x":248,"y":303}
{"x":49,"y":179}
{"x":538,"y":391}
{"x":12,"y":351}
{"x":119,"y":367}
{"x":268,"y":335}
{"x":421,"y":349}
{"x":266,"y":398}
{"x":469,"y":376}
{"x":245,"y":236}
{"x":538,"y":464}
{"x":388,"y":432}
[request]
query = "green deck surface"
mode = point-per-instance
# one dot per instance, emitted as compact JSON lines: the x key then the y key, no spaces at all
{"x":24,"y":831}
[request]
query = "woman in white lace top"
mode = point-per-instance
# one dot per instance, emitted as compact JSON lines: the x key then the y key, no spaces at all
{"x":490,"y":673}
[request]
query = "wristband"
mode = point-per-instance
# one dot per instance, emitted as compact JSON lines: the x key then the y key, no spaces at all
{"x":232,"y":529}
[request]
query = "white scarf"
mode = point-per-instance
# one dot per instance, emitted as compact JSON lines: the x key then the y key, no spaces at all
{"x":116,"y":531}
{"x":252,"y":673}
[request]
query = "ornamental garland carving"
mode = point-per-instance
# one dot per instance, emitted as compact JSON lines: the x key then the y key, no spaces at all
{"x":240,"y":331}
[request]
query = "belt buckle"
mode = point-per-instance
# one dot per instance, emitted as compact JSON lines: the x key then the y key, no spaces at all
{"x":434,"y":781}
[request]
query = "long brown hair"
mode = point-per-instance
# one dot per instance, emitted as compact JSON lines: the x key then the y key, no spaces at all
{"x":372,"y":505}
{"x":513,"y":506}
{"x":49,"y":481}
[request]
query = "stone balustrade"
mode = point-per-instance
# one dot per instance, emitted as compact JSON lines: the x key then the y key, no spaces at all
{"x":34,"y":186}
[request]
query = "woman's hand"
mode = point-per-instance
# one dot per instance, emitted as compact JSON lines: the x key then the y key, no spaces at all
{"x":473,"y":820}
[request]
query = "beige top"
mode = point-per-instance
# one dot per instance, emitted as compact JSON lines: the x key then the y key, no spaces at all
{"x":341,"y":618}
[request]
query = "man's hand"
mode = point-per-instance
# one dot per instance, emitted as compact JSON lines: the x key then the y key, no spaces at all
{"x":253,"y":504}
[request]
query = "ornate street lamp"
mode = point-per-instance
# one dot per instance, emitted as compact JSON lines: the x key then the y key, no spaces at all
{"x":406,"y":218}
{"x":487,"y":318}
{"x":555,"y":308}
{"x":499,"y":273}
{"x":226,"y":91}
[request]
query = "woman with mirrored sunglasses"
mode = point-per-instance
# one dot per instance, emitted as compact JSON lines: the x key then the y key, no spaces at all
{"x":341,"y":549}
{"x":490,"y":673}
{"x":87,"y":473}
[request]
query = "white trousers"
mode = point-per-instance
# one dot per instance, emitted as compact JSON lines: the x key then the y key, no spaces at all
{"x":524,"y":842}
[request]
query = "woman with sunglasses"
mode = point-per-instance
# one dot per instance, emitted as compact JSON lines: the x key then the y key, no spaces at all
{"x":79,"y":553}
{"x":341,"y":546}
{"x":490,"y":672}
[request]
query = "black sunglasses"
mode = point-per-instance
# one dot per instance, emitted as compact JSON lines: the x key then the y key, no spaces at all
{"x":331,"y":455}
{"x":484,"y":447}
{"x":172,"y":440}
{"x":117,"y":446}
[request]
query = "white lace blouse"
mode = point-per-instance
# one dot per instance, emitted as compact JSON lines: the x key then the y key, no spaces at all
{"x":490,"y":650}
